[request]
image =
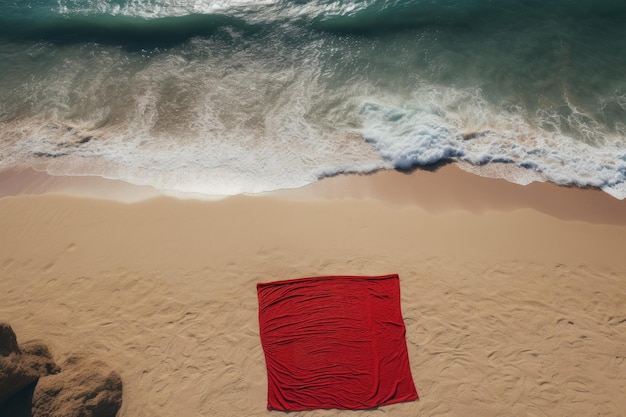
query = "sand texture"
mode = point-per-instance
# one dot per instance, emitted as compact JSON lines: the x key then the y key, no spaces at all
{"x":515,"y":303}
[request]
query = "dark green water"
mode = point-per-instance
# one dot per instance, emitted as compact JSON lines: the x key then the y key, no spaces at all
{"x":247,"y":96}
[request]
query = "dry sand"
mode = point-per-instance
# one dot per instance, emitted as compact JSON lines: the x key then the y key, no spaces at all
{"x":514,"y":297}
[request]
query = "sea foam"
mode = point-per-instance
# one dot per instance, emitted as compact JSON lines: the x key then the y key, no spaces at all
{"x":409,"y":138}
{"x":227,"y":97}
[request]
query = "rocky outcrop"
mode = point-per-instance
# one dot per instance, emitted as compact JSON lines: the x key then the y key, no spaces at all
{"x":8,"y":340}
{"x":85,"y":387}
{"x":32,"y":385}
{"x":20,"y":367}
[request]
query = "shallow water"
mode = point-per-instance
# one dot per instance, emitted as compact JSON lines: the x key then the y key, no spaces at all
{"x":227,"y":97}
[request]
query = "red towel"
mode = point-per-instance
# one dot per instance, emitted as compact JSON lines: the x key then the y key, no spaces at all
{"x":334,"y":342}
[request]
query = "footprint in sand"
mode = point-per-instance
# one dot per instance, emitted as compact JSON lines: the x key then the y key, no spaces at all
{"x":616,"y":321}
{"x":420,"y":335}
{"x":8,"y":264}
{"x":564,"y":322}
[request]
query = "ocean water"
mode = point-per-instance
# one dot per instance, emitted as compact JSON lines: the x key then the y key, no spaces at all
{"x":222,"y":97}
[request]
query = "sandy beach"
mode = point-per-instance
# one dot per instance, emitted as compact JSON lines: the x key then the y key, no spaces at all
{"x":513,"y":297}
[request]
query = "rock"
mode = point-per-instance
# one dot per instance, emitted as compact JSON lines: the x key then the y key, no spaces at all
{"x":21,"y":367}
{"x":38,"y":357}
{"x":31,"y":384}
{"x":8,"y":341}
{"x":85,"y":387}
{"x":20,"y":404}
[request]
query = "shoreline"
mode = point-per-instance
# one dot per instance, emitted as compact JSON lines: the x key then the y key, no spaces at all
{"x":28,"y":181}
{"x":449,"y":188}
{"x":441,"y":190}
{"x":512,"y":299}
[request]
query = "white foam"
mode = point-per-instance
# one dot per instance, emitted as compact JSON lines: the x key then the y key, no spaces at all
{"x":409,"y":136}
{"x":251,"y":10}
{"x":223,"y":123}
{"x":158,"y":9}
{"x":219,"y":120}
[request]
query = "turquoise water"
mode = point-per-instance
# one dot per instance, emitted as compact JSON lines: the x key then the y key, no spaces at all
{"x":227,"y":97}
